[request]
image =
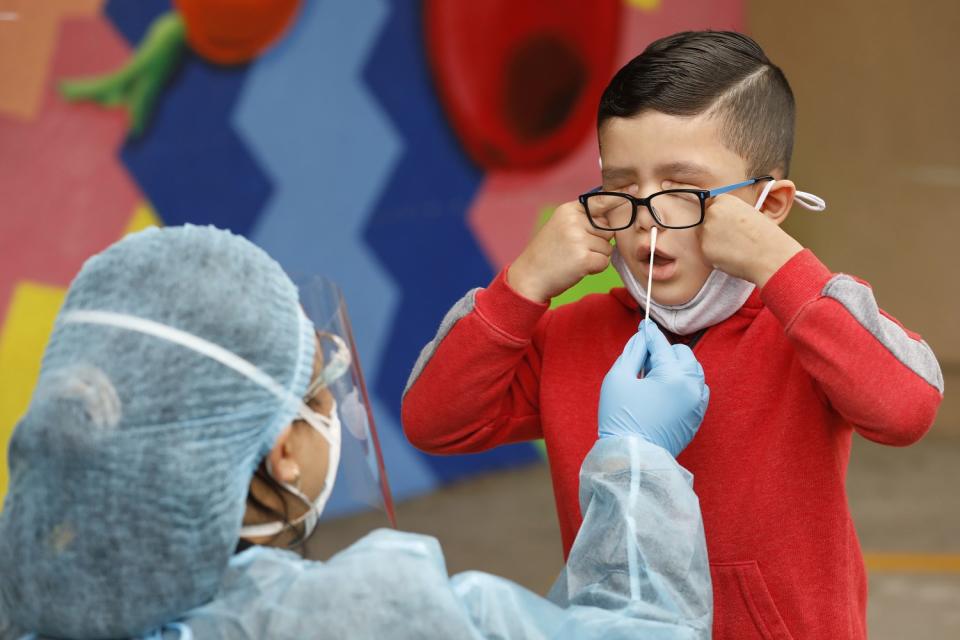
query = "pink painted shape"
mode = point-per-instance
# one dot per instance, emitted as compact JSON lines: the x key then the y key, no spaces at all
{"x":504,"y":212}
{"x":64,"y":193}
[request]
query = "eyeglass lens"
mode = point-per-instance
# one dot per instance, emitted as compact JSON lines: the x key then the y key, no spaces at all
{"x":670,"y":209}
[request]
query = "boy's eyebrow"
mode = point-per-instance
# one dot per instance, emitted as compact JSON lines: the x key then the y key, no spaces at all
{"x":681,"y":169}
{"x":613,"y":174}
{"x":678,"y":169}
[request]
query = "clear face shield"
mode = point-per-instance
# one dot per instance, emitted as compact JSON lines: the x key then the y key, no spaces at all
{"x":337,"y":407}
{"x":361,"y":478}
{"x":343,"y":474}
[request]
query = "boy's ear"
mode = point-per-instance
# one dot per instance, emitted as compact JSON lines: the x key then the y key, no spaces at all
{"x":779,"y":201}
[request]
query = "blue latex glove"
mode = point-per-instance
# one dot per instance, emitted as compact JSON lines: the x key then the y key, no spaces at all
{"x":665,"y":407}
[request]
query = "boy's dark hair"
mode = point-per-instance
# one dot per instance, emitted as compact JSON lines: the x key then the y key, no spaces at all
{"x":720,"y":72}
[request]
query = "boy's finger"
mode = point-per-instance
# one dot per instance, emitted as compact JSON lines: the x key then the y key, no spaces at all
{"x":602,"y":203}
{"x":601,"y":208}
{"x":606,"y":236}
{"x":718,"y":200}
{"x":601,"y":220}
{"x":660,"y":352}
{"x":599,"y":245}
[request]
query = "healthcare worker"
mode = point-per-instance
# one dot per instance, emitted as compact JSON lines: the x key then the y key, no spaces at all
{"x":190,"y":404}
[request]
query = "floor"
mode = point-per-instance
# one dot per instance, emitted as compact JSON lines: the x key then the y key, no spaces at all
{"x":906,"y":503}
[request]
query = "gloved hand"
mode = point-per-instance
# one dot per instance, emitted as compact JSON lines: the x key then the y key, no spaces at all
{"x":665,"y":407}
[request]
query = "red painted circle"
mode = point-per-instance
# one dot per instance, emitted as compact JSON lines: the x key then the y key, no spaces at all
{"x":520,"y":79}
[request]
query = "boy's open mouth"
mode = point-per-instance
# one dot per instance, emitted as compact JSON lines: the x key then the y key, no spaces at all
{"x":664,"y":265}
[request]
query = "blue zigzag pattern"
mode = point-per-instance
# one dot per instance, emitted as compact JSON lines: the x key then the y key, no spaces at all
{"x":355,"y":198}
{"x":310,"y":120}
{"x":418,"y":228}
{"x":191,"y":165}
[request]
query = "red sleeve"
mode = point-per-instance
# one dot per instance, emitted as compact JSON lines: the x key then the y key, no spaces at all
{"x":479,"y":386}
{"x":880,"y":377}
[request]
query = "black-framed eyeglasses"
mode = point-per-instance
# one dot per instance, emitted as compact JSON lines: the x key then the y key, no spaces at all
{"x":671,"y":209}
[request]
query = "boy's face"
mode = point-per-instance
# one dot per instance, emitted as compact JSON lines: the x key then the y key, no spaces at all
{"x":651,"y":152}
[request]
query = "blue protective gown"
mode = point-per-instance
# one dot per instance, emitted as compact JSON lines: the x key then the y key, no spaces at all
{"x":638,"y":569}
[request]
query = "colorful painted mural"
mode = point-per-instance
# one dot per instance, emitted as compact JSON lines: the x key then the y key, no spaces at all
{"x":406,"y":150}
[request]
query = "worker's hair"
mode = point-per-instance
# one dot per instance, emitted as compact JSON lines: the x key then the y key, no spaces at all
{"x":722,"y":73}
{"x":272,"y":514}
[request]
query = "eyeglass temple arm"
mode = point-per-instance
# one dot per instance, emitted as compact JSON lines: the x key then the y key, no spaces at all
{"x":733,"y":187}
{"x":804,"y":199}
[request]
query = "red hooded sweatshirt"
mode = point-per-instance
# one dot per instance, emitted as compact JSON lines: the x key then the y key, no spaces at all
{"x":793,"y":374}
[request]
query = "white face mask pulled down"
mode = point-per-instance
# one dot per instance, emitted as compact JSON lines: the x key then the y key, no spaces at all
{"x":721,"y":295}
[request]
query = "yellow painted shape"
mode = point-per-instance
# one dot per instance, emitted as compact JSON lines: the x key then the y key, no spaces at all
{"x":912,"y":562}
{"x":143,"y":218}
{"x":23,"y":337}
{"x":644,"y":5}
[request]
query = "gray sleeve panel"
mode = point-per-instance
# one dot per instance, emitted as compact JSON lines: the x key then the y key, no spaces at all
{"x":858,"y":299}
{"x":462,"y":307}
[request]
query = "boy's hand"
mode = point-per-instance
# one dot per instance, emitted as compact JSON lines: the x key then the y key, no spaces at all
{"x":743,"y":242}
{"x":563,"y":251}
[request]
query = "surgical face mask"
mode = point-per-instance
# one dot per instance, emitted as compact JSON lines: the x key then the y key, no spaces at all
{"x":721,"y":295}
{"x":328,"y":427}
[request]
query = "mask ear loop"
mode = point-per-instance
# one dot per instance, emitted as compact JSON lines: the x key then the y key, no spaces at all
{"x":329,"y":428}
{"x":809,"y":201}
{"x":806,"y":200}
{"x":763,"y":194}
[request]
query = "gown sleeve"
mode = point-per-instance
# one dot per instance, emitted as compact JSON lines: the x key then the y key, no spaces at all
{"x":638,"y":569}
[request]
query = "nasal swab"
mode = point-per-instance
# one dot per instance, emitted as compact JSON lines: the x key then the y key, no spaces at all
{"x":653,"y":248}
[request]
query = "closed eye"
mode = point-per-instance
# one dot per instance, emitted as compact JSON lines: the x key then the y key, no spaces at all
{"x":676,"y":184}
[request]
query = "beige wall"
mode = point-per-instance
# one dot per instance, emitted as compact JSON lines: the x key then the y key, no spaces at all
{"x":878,"y":136}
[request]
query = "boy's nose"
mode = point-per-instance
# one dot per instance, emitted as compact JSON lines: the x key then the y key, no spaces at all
{"x":645,"y":220}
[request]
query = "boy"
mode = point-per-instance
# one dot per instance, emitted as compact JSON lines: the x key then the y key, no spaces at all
{"x":797,"y":358}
